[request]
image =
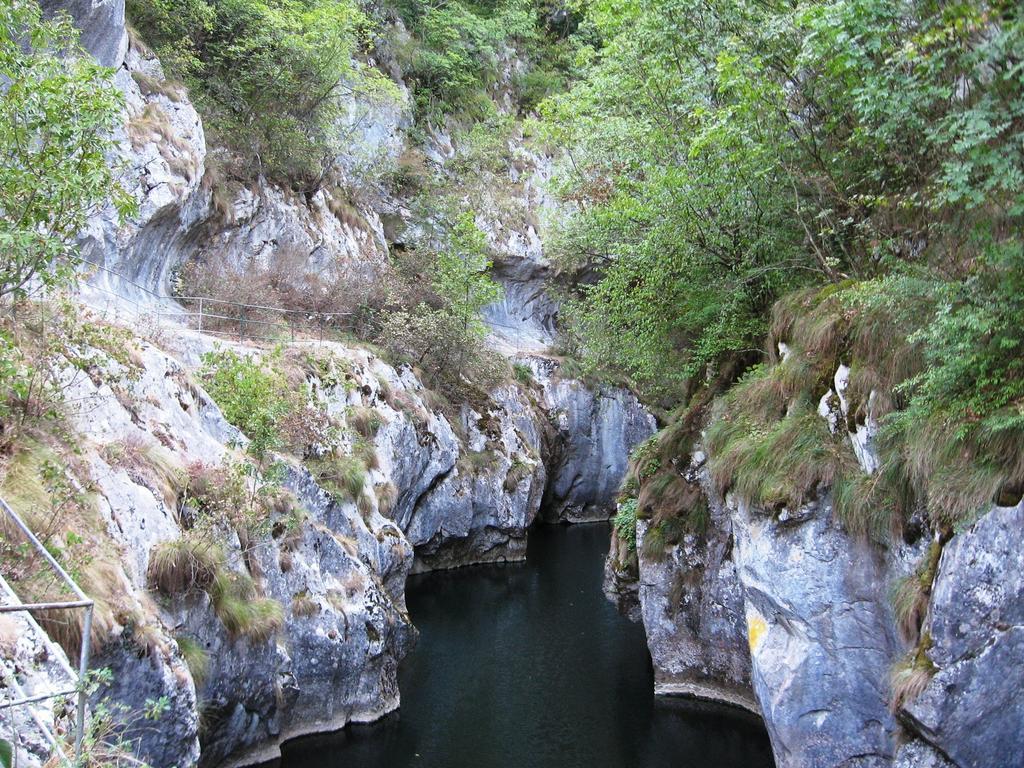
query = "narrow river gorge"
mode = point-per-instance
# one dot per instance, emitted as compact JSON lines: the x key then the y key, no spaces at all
{"x":511,"y":384}
{"x":529,"y":665}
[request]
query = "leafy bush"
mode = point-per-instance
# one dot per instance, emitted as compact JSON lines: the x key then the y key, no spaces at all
{"x":445,"y":337}
{"x":761,"y":148}
{"x":255,"y":396}
{"x":457,"y":50}
{"x":523,"y":373}
{"x":57,"y":118}
{"x":249,"y":393}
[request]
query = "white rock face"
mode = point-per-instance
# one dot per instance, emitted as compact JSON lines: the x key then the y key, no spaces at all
{"x":335,"y":666}
{"x":597,"y":429}
{"x":101,"y":25}
{"x":691,"y":605}
{"x":821,"y":637}
{"x":972,"y":708}
{"x":40,"y":668}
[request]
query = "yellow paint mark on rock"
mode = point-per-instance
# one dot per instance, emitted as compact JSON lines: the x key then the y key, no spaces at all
{"x":756,"y":627}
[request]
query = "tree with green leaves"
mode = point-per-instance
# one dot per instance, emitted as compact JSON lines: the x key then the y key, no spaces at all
{"x":58,"y":112}
{"x":462,"y":277}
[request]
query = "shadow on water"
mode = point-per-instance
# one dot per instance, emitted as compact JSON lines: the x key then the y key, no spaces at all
{"x":529,"y":666}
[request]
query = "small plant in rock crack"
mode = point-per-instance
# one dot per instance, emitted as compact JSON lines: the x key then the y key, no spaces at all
{"x":625,"y":523}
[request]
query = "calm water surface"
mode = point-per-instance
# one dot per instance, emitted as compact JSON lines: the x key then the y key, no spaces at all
{"x":529,"y":666}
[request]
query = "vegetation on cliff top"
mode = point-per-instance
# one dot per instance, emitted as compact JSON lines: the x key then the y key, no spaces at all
{"x":268,"y":76}
{"x":857,"y":166}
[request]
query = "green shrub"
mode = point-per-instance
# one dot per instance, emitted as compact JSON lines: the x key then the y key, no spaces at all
{"x":523,"y":373}
{"x":518,"y":471}
{"x":267,"y":75}
{"x":625,"y":523}
{"x":57,"y":124}
{"x":250,"y":394}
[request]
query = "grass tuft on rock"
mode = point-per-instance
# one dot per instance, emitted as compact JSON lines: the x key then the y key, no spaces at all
{"x":196,"y":657}
{"x":241,"y":611}
{"x":343,"y":477}
{"x":180,"y":565}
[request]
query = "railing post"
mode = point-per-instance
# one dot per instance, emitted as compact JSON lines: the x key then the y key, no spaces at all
{"x":83,"y":670}
{"x":241,"y":323}
{"x":200,"y":314}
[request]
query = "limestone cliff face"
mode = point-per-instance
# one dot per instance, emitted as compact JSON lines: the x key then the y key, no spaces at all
{"x":692,"y":607}
{"x":789,"y":614}
{"x":971,"y":709}
{"x":333,"y":662}
{"x":450,"y":486}
{"x":596,"y":429}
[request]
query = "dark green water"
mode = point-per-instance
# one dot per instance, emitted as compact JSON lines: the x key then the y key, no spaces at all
{"x":529,"y":666}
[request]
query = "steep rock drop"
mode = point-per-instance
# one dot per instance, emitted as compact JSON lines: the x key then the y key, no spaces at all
{"x":450,"y":488}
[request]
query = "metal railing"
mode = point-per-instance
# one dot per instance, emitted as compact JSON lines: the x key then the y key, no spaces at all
{"x":247,"y":320}
{"x":82,"y":602}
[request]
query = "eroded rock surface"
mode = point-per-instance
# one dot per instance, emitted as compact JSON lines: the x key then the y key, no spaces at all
{"x":598,"y":428}
{"x":692,"y":608}
{"x":821,"y":635}
{"x":973,"y":707}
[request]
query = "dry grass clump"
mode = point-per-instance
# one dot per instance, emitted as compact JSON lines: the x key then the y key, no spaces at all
{"x":346,"y":213}
{"x":153,"y":126}
{"x":912,"y":594}
{"x":242,"y":612}
{"x":179,"y":566}
{"x":767,"y":442}
{"x":366,"y":452}
{"x":149,"y":464}
{"x":774,"y":464}
{"x":518,"y":471}
{"x":150,"y":86}
{"x":387,"y":495}
{"x":958,"y":476}
{"x":343,"y":477}
{"x":52,"y":493}
{"x":303,"y":606}
{"x":911,"y":675}
{"x":365,"y":421}
{"x":364,"y":504}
